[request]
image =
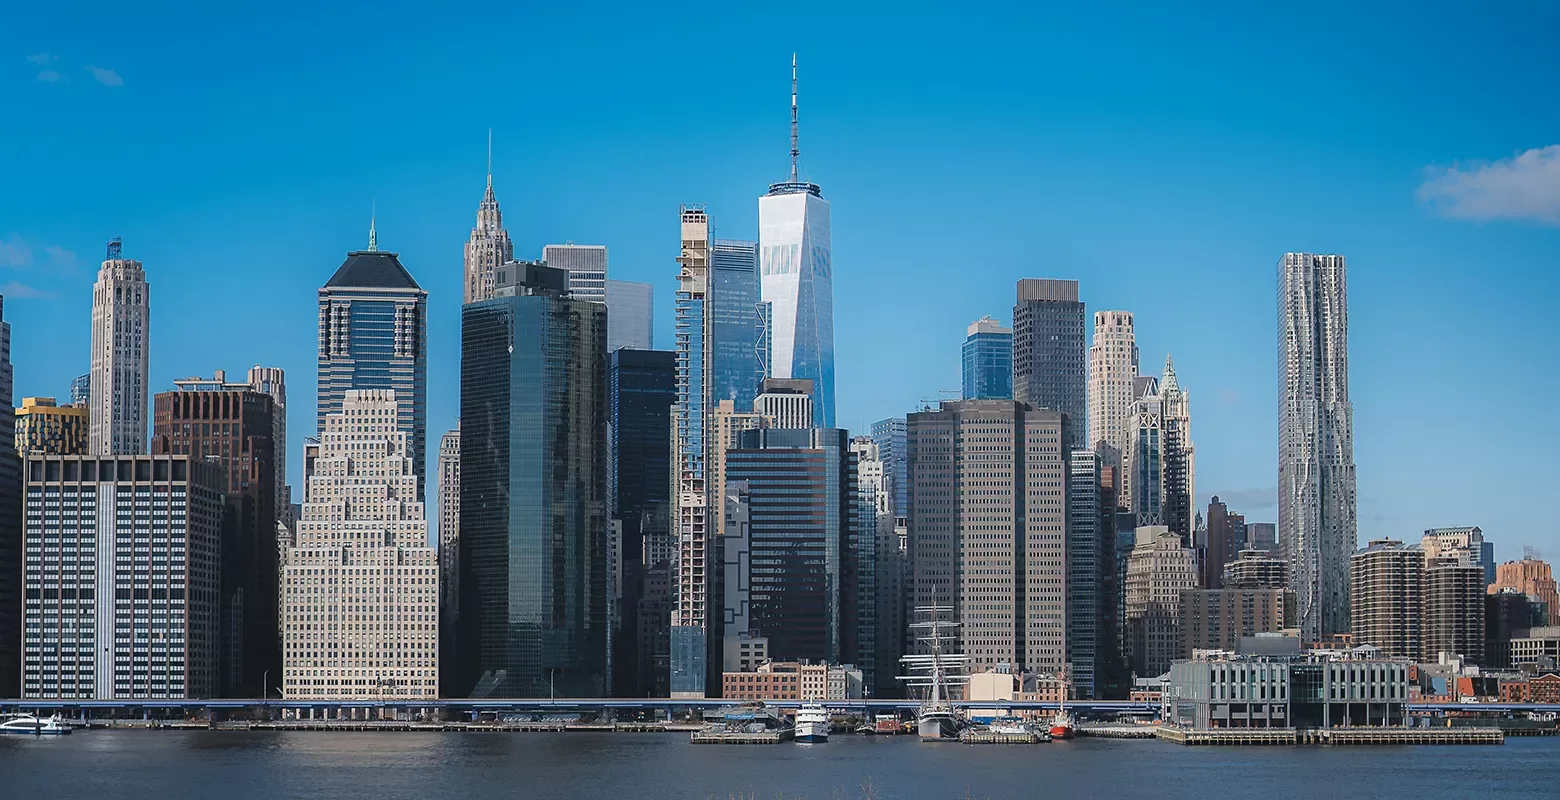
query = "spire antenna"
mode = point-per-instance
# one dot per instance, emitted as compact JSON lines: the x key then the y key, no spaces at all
{"x":373,"y":233}
{"x":490,"y":158}
{"x":795,"y":151}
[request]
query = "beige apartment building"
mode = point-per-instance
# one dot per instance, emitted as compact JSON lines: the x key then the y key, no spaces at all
{"x":360,"y":586}
{"x":1159,"y":570}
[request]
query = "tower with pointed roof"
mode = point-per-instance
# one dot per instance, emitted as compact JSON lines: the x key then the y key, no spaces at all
{"x":489,"y":245}
{"x":373,"y":320}
{"x":1180,"y":484}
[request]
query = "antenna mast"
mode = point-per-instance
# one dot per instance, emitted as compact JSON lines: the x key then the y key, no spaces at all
{"x":795,"y":152}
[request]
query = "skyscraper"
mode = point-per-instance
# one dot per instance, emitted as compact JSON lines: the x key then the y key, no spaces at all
{"x":533,"y":492}
{"x":1533,"y":578}
{"x":1159,"y":570}
{"x":797,"y":279}
{"x":449,"y":534}
{"x":234,"y":428}
{"x":1143,"y":462}
{"x":362,"y":557}
{"x":489,"y":246}
{"x":81,"y":390}
{"x":885,"y":594}
{"x":786,"y":402}
{"x":988,"y":361}
{"x":988,"y":524}
{"x":10,"y":526}
{"x":121,"y":347}
{"x":735,"y":324}
{"x":1226,"y":536}
{"x":1113,"y":365}
{"x":1388,"y":593}
{"x":890,"y":436}
{"x":1316,"y":486}
{"x":641,"y":389}
{"x":1088,"y":524}
{"x":630,"y":313}
{"x":1180,"y":463}
{"x":587,"y":268}
{"x":373,"y":335}
{"x":694,"y":635}
{"x":1050,"y":355}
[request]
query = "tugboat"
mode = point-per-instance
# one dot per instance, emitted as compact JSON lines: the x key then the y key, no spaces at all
{"x":937,"y":720}
{"x":1062,"y":723}
{"x":812,"y":723}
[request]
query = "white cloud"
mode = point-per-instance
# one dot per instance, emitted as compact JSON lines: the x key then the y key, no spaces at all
{"x":1526,"y":186}
{"x":14,"y":253}
{"x":43,"y":59}
{"x":60,"y":258}
{"x":106,"y":76}
{"x":15,"y":289}
{"x":50,"y":76}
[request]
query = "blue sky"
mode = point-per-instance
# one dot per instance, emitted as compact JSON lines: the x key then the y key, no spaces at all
{"x":1166,"y":159}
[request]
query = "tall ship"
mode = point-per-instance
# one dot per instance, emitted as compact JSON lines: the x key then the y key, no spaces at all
{"x":938,"y":672}
{"x":812,"y":723}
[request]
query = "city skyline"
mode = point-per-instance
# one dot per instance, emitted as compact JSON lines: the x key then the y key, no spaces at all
{"x":1392,"y":321}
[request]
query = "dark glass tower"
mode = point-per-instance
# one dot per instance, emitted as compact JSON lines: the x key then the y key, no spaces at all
{"x":803,"y":570}
{"x":533,"y":495}
{"x":988,"y":361}
{"x":1050,"y":353}
{"x":734,"y":322}
{"x":641,"y":389}
{"x":10,"y":527}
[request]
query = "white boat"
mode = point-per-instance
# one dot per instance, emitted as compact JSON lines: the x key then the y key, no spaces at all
{"x":29,"y":725}
{"x":812,"y":723}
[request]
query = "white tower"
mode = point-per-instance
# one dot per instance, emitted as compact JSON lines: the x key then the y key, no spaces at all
{"x":121,"y":342}
{"x":1113,"y":365}
{"x":489,"y":245}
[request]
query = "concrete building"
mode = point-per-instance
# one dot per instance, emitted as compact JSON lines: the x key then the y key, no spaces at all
{"x":630,"y":315}
{"x":988,"y":361}
{"x":1050,"y":355}
{"x":1226,"y":537}
{"x":694,"y":637}
{"x":1534,"y":579}
{"x":1217,"y":619}
{"x":1466,"y":543}
{"x":121,"y":348}
{"x":1263,"y":536}
{"x":1113,"y":366}
{"x":360,"y":589}
{"x":791,"y":680}
{"x":1313,"y":691}
{"x":1507,"y":614}
{"x":1159,"y":570}
{"x":797,"y":280}
{"x":1453,"y":620}
{"x":489,"y":246}
{"x":1539,"y":648}
{"x":586,"y":265}
{"x":270,"y":381}
{"x":235,"y":429}
{"x":10,"y":525}
{"x":130,"y":544}
{"x":1387,"y":586}
{"x":1255,"y":569}
{"x":885,"y":594}
{"x":1180,"y":462}
{"x":448,"y":533}
{"x":373,"y":323}
{"x":46,"y":429}
{"x":988,"y":525}
{"x":533,"y":554}
{"x":787,"y":403}
{"x":1316,"y":483}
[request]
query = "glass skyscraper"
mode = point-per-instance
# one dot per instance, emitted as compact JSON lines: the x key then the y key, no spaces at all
{"x":533,"y":494}
{"x":890,"y":437}
{"x":988,"y":361}
{"x":734,"y":322}
{"x":1050,"y":354}
{"x":373,"y":325}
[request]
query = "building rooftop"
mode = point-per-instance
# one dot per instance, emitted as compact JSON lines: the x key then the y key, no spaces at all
{"x":372,"y":269}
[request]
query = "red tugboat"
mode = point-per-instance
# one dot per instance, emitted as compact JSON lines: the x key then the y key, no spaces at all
{"x":1062,"y":723}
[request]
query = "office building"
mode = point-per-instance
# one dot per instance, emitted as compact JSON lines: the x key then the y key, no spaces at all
{"x":1180,"y":464}
{"x":121,"y":347}
{"x":1160,"y":569}
{"x":1508,"y":614}
{"x":1263,"y":536}
{"x":1255,"y":569}
{"x":1113,"y":366}
{"x":988,"y":361}
{"x":885,"y":593}
{"x":1467,"y":543}
{"x":1050,"y":353}
{"x":1091,"y":564}
{"x":890,"y":435}
{"x":797,"y":280}
{"x":1388,"y":585}
{"x":738,"y":351}
{"x":1533,"y":578}
{"x":1538,"y":649}
{"x":726,"y":425}
{"x":805,"y":570}
{"x":1226,"y":537}
{"x":234,"y":429}
{"x":11,"y":441}
{"x":641,"y":389}
{"x":130,"y":544}
{"x":988,"y":523}
{"x":533,"y":492}
{"x":373,"y":335}
{"x":791,"y":680}
{"x":1316,"y":488}
{"x":46,"y":429}
{"x":81,"y":390}
{"x":489,"y":246}
{"x":1453,"y":620}
{"x":1143,"y":462}
{"x":787,"y":403}
{"x":1323,"y":690}
{"x":630,"y":314}
{"x":586,"y":265}
{"x":361,"y":593}
{"x":694,"y":638}
{"x":1217,"y":619}
{"x":449,"y":534}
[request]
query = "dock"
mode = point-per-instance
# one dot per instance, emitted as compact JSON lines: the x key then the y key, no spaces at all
{"x":742,"y":737}
{"x":1116,"y":731}
{"x":969,"y":736}
{"x":1258,"y":737}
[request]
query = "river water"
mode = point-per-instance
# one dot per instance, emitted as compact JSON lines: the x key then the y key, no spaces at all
{"x":186,"y":765}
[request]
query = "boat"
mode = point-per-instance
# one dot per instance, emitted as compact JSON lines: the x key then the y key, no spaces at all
{"x":1010,"y":726}
{"x":29,"y":725}
{"x":812,"y":723}
{"x":1062,"y":723}
{"x":937,"y":720}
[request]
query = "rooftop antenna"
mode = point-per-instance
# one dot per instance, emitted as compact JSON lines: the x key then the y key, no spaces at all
{"x":490,"y":158}
{"x":795,"y":152}
{"x":114,"y":248}
{"x":373,"y":234}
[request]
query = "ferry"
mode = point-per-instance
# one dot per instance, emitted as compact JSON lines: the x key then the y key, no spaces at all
{"x":29,"y":725}
{"x":812,"y":723}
